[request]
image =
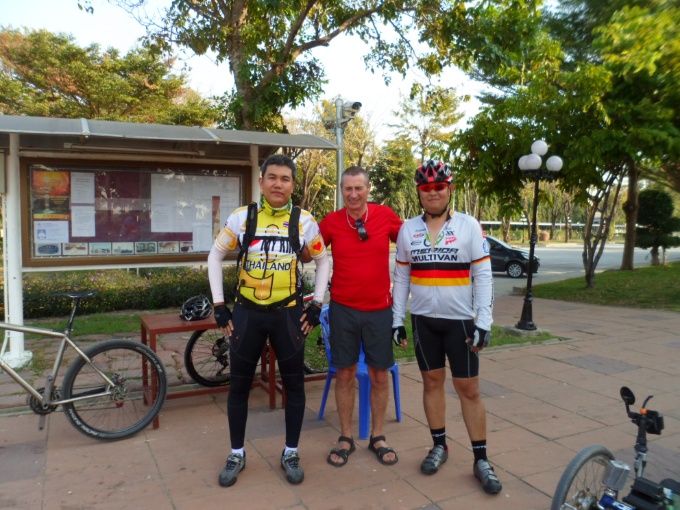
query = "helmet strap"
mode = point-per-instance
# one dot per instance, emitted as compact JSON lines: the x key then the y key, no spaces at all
{"x":446,"y":210}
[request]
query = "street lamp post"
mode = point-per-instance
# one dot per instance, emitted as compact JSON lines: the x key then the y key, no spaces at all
{"x":531,"y":166}
{"x":344,"y":112}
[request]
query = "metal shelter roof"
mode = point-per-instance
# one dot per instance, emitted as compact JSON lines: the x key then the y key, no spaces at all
{"x":43,"y":133}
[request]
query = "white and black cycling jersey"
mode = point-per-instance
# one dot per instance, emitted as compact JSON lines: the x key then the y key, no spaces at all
{"x":449,"y":278}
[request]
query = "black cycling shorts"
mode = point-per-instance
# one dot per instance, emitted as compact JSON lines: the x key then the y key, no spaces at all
{"x":436,"y":339}
{"x":350,"y":328}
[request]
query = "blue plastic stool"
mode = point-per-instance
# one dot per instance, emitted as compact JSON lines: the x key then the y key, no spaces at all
{"x":363,"y":378}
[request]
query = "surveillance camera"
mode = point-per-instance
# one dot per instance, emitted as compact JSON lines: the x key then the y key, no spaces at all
{"x":350,"y":110}
{"x":354,"y":106}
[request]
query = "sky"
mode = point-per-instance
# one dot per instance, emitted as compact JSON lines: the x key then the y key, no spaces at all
{"x":111,"y":26}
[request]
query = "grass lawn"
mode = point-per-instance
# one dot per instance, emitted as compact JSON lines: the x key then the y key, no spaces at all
{"x":644,"y":287}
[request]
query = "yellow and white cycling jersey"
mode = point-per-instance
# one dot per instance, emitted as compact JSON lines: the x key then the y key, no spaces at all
{"x":269,"y":272}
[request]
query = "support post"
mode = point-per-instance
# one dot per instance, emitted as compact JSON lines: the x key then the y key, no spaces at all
{"x":526,"y":321}
{"x":340,"y":152}
{"x":14,"y":306}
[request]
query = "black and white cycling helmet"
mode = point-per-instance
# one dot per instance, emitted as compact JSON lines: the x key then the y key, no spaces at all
{"x":196,"y":308}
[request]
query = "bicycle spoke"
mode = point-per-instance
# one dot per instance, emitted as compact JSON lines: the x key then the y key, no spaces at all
{"x":127,"y":407}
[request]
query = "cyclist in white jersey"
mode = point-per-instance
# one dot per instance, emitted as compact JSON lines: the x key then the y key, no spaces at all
{"x":443,"y":261}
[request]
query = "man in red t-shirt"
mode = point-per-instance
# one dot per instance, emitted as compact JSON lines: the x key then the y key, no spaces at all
{"x":360,"y":309}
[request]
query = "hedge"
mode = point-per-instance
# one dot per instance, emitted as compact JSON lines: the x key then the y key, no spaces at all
{"x":118,"y":289}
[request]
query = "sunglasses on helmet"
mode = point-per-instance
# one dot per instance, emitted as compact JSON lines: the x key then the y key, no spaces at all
{"x":437,"y":186}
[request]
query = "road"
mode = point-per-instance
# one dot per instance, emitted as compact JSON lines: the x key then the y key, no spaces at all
{"x":563,"y":261}
{"x":560,"y":261}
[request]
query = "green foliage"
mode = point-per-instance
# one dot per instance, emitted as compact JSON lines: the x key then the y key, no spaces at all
{"x":657,"y":223}
{"x":120,"y":289}
{"x":49,"y":75}
{"x":117,"y":289}
{"x":268,"y":44}
{"x":427,"y":118}
{"x":392,"y":178}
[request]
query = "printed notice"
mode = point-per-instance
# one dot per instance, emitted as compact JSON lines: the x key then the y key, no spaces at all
{"x":82,"y":221}
{"x":50,"y":231}
{"x":82,"y":188}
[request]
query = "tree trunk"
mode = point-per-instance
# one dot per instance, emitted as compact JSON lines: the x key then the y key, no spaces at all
{"x":505,"y":226}
{"x":631,"y":208}
{"x":655,"y":255}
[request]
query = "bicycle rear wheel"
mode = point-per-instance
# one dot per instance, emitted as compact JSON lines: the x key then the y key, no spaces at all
{"x":580,"y":487}
{"x":130,"y":405}
{"x":206,"y":358}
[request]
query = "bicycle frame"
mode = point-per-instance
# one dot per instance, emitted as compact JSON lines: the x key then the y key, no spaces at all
{"x":46,"y":398}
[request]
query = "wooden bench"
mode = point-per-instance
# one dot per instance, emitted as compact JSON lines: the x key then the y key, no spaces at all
{"x":154,"y":325}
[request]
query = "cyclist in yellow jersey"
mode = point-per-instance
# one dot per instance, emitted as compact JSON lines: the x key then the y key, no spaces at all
{"x":269,"y":272}
{"x":268,"y":306}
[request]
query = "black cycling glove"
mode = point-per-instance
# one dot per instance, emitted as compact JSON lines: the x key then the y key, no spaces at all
{"x":312,"y":313}
{"x":480,"y":338}
{"x":222,"y":315}
{"x":398,"y":334}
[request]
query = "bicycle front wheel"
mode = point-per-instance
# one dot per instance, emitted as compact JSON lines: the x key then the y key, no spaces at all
{"x":580,"y":487}
{"x":206,"y":358}
{"x":118,"y":412}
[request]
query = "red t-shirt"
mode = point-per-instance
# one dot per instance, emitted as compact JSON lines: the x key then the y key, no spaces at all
{"x":361,"y":269}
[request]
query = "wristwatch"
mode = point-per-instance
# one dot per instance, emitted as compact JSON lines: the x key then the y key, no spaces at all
{"x":318,"y":304}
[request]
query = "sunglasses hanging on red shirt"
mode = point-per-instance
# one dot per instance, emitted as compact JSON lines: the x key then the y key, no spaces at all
{"x":361,"y":229}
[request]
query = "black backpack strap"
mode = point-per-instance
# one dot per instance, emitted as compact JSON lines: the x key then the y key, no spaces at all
{"x":248,"y":236}
{"x":294,"y":230}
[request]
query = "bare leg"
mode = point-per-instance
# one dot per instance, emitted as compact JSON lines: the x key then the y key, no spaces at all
{"x":344,"y":400}
{"x":472,"y":407}
{"x":434,"y":397}
{"x":379,"y":395}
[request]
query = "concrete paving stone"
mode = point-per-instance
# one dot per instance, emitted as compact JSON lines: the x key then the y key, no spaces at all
{"x":515,"y":494}
{"x":657,"y":381}
{"x":545,"y":481}
{"x":22,"y":461}
{"x":510,"y":439}
{"x":490,"y":389}
{"x":563,"y":426}
{"x":22,"y":494}
{"x":533,"y":459}
{"x":393,"y":494}
{"x":600,"y":364}
{"x":21,"y":428}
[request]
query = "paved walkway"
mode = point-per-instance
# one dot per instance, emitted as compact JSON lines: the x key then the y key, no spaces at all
{"x":544,"y":403}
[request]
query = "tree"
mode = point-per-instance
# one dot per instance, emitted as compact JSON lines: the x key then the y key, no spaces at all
{"x":45,"y":74}
{"x":392,"y":176}
{"x":427,"y":119}
{"x":268,"y":45}
{"x":657,"y":223}
{"x":637,"y":46}
{"x":316,"y":177}
{"x":607,"y":118}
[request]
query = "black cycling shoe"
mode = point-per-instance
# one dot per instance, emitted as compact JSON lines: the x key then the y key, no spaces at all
{"x":235,"y":464}
{"x":434,"y":460}
{"x":485,"y":474}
